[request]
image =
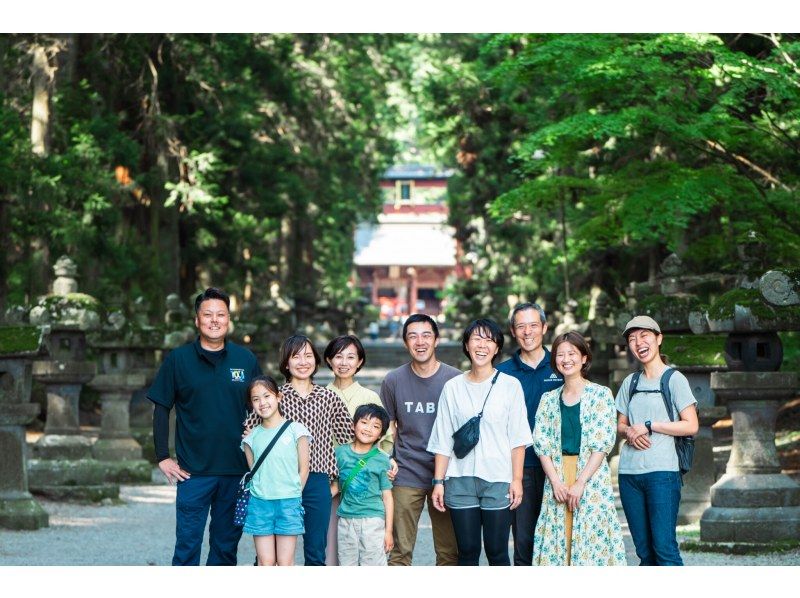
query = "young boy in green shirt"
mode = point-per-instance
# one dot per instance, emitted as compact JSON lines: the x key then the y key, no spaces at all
{"x":366,"y":510}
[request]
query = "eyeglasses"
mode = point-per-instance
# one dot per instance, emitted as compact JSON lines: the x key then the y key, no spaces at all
{"x":426,"y":336}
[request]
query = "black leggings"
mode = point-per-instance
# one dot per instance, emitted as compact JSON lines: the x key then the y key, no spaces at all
{"x":496,"y":526}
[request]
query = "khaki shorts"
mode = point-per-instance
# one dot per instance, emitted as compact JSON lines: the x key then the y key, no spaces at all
{"x":361,"y":541}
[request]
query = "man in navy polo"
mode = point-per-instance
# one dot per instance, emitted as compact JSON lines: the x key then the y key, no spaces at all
{"x":206,"y":382}
{"x":531,"y":366}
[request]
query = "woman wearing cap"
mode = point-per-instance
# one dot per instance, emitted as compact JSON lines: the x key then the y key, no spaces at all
{"x":649,"y":477}
{"x":574,"y":431}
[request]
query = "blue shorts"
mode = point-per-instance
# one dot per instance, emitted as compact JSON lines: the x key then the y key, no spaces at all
{"x":280,"y":516}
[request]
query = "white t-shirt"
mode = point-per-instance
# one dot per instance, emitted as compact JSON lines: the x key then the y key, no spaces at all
{"x":504,"y":426}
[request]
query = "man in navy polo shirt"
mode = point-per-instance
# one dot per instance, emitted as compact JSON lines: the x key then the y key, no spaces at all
{"x":531,"y":366}
{"x":206,"y":381}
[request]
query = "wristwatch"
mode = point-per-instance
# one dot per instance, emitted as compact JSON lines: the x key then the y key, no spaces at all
{"x":649,"y":427}
{"x":435,"y":481}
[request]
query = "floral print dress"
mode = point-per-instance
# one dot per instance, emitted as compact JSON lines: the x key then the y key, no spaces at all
{"x":596,"y":530}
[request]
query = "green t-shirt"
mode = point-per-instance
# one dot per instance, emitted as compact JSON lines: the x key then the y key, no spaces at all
{"x":362,"y":497}
{"x":570,"y":428}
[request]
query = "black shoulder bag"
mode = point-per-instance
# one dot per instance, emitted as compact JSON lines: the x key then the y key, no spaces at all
{"x":468,"y":435}
{"x":243,"y":492}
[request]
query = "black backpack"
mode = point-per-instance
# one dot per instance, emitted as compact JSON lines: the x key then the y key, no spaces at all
{"x":684,"y":445}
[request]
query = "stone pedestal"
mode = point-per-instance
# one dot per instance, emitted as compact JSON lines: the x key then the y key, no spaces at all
{"x":18,"y":346}
{"x":115,"y":442}
{"x":696,"y":491}
{"x":18,"y":509}
{"x":753,"y":502}
{"x":63,"y":467}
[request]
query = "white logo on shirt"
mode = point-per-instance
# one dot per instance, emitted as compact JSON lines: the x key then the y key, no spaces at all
{"x":420,"y":407}
{"x":237,"y":375}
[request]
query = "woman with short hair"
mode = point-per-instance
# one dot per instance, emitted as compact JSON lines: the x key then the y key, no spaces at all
{"x":481,"y":488}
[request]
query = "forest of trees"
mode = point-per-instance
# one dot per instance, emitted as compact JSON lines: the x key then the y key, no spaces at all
{"x":163,"y":162}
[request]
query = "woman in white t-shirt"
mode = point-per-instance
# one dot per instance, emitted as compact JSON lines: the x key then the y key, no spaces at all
{"x":649,"y":477}
{"x":482,"y":488}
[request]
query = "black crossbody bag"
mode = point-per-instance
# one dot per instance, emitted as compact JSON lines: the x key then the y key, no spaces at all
{"x":468,"y":435}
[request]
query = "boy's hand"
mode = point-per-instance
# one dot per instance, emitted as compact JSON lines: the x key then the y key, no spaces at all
{"x":334,"y":488}
{"x":388,"y":541}
{"x":392,"y":473}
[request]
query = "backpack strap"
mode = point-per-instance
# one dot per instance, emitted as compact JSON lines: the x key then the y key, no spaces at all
{"x":633,"y":387}
{"x":665,"y":376}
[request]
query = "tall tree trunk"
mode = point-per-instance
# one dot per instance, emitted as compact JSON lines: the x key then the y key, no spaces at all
{"x":42,"y":77}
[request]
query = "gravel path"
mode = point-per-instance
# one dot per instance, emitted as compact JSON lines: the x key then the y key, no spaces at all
{"x":141,"y":531}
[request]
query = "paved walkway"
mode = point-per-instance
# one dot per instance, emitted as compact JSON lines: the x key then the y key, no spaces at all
{"x":141,"y":531}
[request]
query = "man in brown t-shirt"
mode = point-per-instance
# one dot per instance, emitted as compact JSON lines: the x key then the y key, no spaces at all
{"x":410,"y":394}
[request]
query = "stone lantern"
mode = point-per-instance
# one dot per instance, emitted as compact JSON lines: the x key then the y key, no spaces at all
{"x":754,"y":502}
{"x":63,"y":466}
{"x":120,"y":376}
{"x":19,"y":346}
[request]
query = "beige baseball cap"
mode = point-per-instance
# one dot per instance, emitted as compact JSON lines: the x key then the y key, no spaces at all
{"x":643,"y":322}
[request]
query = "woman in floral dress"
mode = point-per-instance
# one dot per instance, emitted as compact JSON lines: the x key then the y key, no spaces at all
{"x":575,"y":430}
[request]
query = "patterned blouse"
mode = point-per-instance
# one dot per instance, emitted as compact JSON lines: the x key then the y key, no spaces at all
{"x":325,"y":415}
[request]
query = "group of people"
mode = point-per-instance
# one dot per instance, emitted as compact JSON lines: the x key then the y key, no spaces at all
{"x":351,"y":470}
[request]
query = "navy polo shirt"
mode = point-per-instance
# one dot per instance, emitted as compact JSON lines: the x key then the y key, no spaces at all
{"x":209,"y":398}
{"x":535,"y":382}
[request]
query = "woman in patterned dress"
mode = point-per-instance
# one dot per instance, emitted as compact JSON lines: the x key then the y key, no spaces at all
{"x":325,"y":415}
{"x":575,"y":430}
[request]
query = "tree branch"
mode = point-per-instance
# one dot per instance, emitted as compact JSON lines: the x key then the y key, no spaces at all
{"x":715,"y":145}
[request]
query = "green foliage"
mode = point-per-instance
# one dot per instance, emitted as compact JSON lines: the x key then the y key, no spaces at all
{"x":603,"y":153}
{"x":245,"y":161}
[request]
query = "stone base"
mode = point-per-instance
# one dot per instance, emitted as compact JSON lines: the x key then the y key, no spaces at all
{"x":62,"y":446}
{"x":22,"y":513}
{"x":130,"y":471}
{"x":755,"y":490}
{"x":750,"y":525}
{"x":93,"y":493}
{"x":86,"y":472}
{"x":116,"y":449}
